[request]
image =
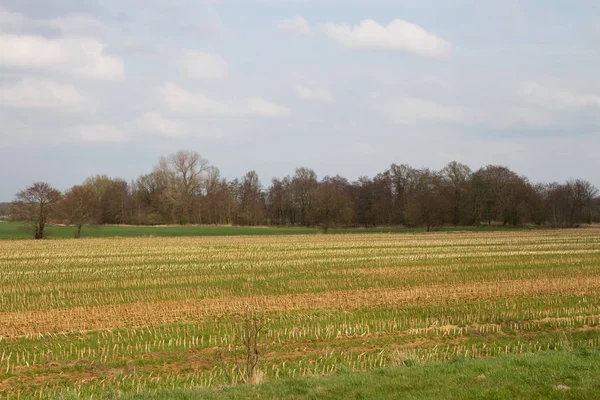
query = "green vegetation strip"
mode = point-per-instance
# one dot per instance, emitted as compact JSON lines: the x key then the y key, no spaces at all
{"x":544,"y":375}
{"x":16,"y":230}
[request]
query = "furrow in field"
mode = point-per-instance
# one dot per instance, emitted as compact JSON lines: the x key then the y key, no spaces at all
{"x":146,"y":314}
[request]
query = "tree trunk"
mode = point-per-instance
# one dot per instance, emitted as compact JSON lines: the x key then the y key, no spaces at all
{"x":39,"y":231}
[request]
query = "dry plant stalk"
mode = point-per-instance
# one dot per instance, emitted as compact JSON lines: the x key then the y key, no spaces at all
{"x":245,"y":369}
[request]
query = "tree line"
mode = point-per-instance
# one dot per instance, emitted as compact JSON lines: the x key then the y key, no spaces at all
{"x":183,"y":188}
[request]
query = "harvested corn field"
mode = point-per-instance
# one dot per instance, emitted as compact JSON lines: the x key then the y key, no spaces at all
{"x":88,"y":317}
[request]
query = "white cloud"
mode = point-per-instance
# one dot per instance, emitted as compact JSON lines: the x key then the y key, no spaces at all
{"x":259,"y":106}
{"x":203,"y":65}
{"x":552,"y":98}
{"x":81,"y":57}
{"x":411,"y":110}
{"x":75,"y":24}
{"x":525,"y":116}
{"x":154,"y":122}
{"x":433,"y":80}
{"x":10,"y":20}
{"x":296,"y":25}
{"x":99,"y":133}
{"x":40,"y":93}
{"x":399,"y":35}
{"x":182,"y":101}
{"x":314,"y":93}
{"x":360,"y":149}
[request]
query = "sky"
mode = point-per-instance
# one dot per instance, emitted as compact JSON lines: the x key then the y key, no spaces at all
{"x":341,"y":86}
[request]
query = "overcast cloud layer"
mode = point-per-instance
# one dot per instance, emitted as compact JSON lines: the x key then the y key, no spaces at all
{"x":344,"y":87}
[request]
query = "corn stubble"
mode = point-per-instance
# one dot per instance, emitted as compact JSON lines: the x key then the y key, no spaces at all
{"x":85,"y":317}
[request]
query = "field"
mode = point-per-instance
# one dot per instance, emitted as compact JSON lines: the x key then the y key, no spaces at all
{"x":113,"y":317}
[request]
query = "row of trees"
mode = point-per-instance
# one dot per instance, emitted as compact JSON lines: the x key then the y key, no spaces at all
{"x":184,"y":188}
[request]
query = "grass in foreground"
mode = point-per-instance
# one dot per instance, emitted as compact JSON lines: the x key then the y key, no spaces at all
{"x":17,"y":230}
{"x":544,"y":375}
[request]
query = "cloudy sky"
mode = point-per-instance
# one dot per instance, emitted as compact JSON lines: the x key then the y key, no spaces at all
{"x":342,"y":86}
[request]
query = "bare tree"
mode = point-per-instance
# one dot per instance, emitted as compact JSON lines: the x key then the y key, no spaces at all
{"x":183,"y":173}
{"x":456,"y":177}
{"x":582,"y":194}
{"x":304,"y":185}
{"x":36,"y":205}
{"x":537,"y":202}
{"x":4,"y":210}
{"x":113,"y":195}
{"x":100,"y":186}
{"x":568,"y":202}
{"x":428,"y":202}
{"x":381,"y":192}
{"x":279,"y":201}
{"x":497,"y":193}
{"x":333,"y":205}
{"x":147,"y":190}
{"x":215,"y":205}
{"x":252,"y":204}
{"x":80,"y":207}
{"x":403,"y":184}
